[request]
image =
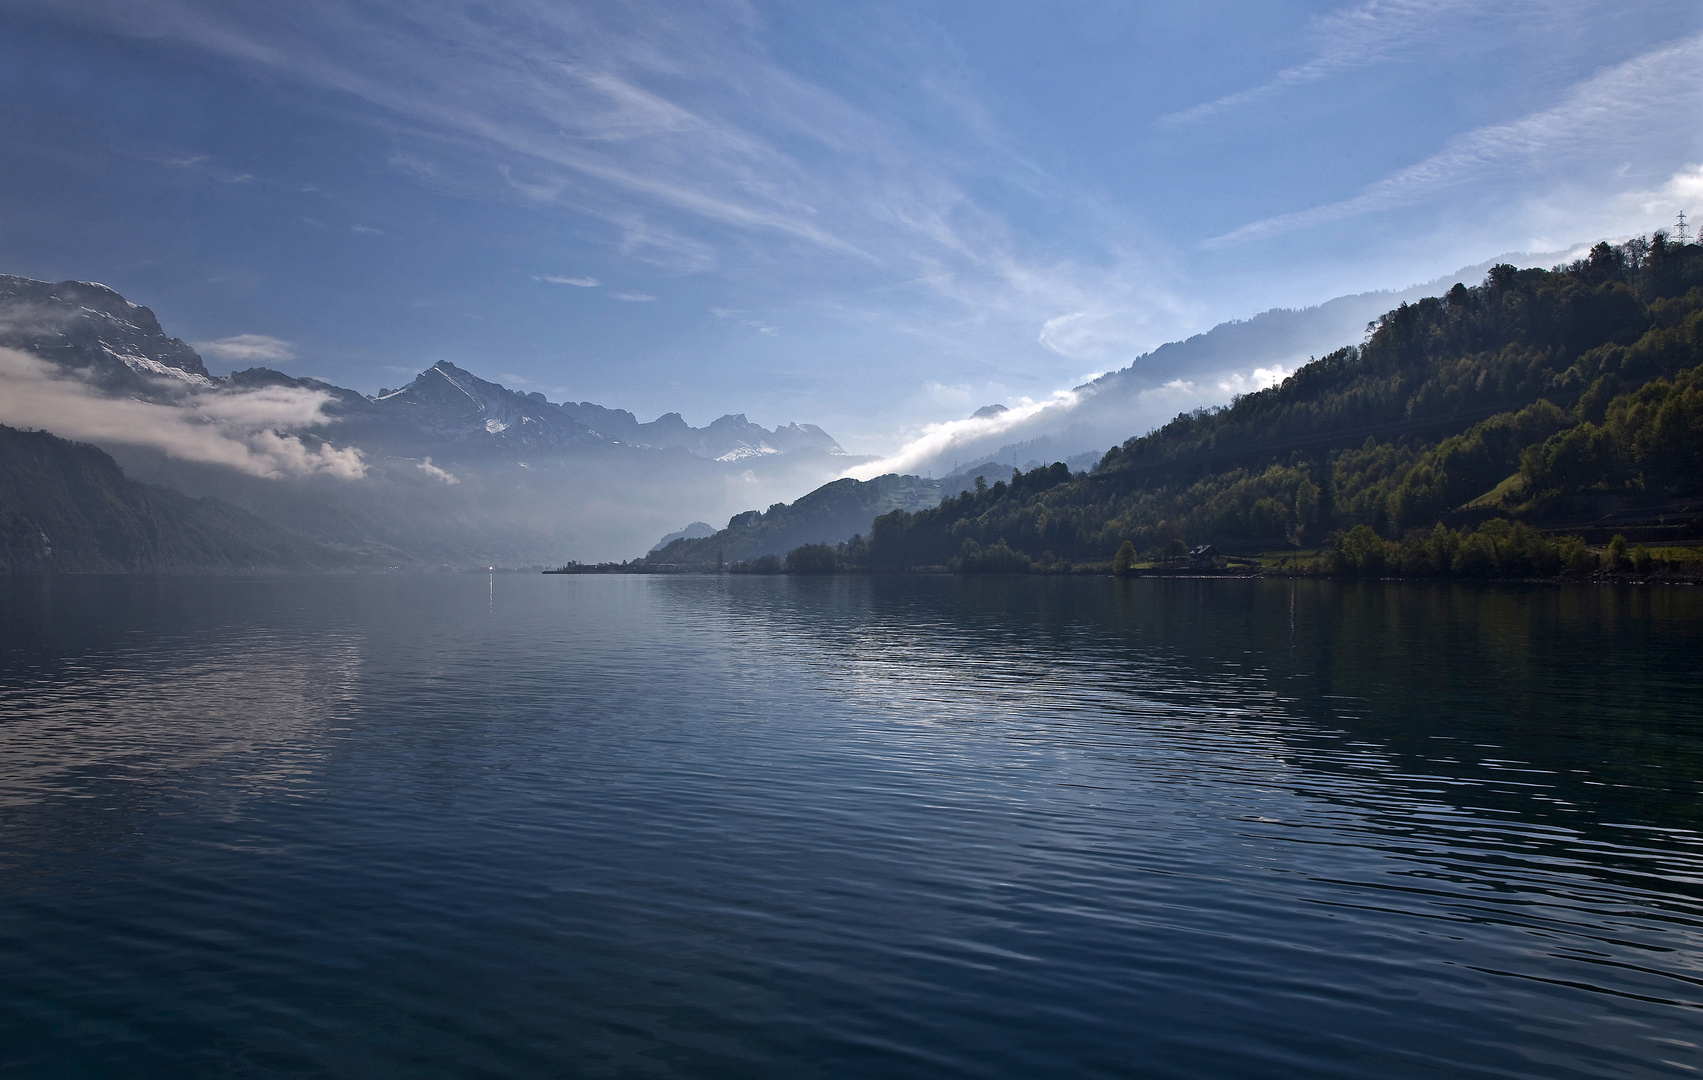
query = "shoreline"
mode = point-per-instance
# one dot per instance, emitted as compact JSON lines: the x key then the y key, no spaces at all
{"x":1598,"y":578}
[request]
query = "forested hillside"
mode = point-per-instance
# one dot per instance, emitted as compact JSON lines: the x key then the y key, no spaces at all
{"x":68,"y":507}
{"x":1570,"y":395}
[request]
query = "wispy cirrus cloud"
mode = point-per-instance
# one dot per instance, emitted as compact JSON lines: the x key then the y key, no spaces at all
{"x":563,"y":87}
{"x":870,"y":182}
{"x":698,"y":151}
{"x":1660,"y":91}
{"x":248,"y":349}
{"x":744,"y":318}
{"x":1374,"y":32}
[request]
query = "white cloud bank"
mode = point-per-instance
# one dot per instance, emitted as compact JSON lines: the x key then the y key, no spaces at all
{"x":247,"y":349}
{"x":1141,"y":411}
{"x":933,"y":440}
{"x":1682,"y":192}
{"x":236,"y":429}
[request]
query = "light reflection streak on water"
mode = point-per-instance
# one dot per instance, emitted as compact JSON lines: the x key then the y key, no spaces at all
{"x":258,"y":710}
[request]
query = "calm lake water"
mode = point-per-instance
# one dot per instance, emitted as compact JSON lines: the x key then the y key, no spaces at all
{"x":534,"y":826}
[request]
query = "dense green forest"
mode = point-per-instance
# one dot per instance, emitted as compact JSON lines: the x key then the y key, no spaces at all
{"x":67,"y":506}
{"x":1537,"y":401}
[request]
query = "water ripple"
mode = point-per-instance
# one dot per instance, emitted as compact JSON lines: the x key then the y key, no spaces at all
{"x":912,"y":826}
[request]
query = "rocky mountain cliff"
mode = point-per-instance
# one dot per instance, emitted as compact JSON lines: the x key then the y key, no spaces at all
{"x":87,"y":326}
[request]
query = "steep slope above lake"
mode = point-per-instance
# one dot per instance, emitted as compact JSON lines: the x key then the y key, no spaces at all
{"x":68,"y":507}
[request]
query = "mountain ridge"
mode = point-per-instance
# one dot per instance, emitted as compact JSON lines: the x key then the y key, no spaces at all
{"x":450,"y":468}
{"x":67,"y":507}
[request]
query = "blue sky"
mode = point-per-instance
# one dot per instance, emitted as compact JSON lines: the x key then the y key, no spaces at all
{"x":866,"y":215}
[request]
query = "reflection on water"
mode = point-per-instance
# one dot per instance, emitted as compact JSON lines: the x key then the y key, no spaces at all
{"x":900,"y":826}
{"x":114,"y":709}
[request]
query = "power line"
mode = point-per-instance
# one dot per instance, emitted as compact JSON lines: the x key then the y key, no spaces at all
{"x":1682,"y":236}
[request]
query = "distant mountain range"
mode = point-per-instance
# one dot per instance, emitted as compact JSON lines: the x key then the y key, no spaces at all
{"x":450,"y":469}
{"x":85,"y":326}
{"x":446,"y":406}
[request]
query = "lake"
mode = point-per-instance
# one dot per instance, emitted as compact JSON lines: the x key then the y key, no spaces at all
{"x":530,"y":826}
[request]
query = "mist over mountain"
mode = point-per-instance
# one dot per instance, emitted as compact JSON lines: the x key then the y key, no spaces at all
{"x":695,"y":531}
{"x":67,"y":506}
{"x":450,"y":469}
{"x":1564,"y":399}
{"x":1235,"y":357}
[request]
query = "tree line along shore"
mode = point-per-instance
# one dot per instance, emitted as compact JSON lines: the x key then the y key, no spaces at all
{"x":1497,"y":550}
